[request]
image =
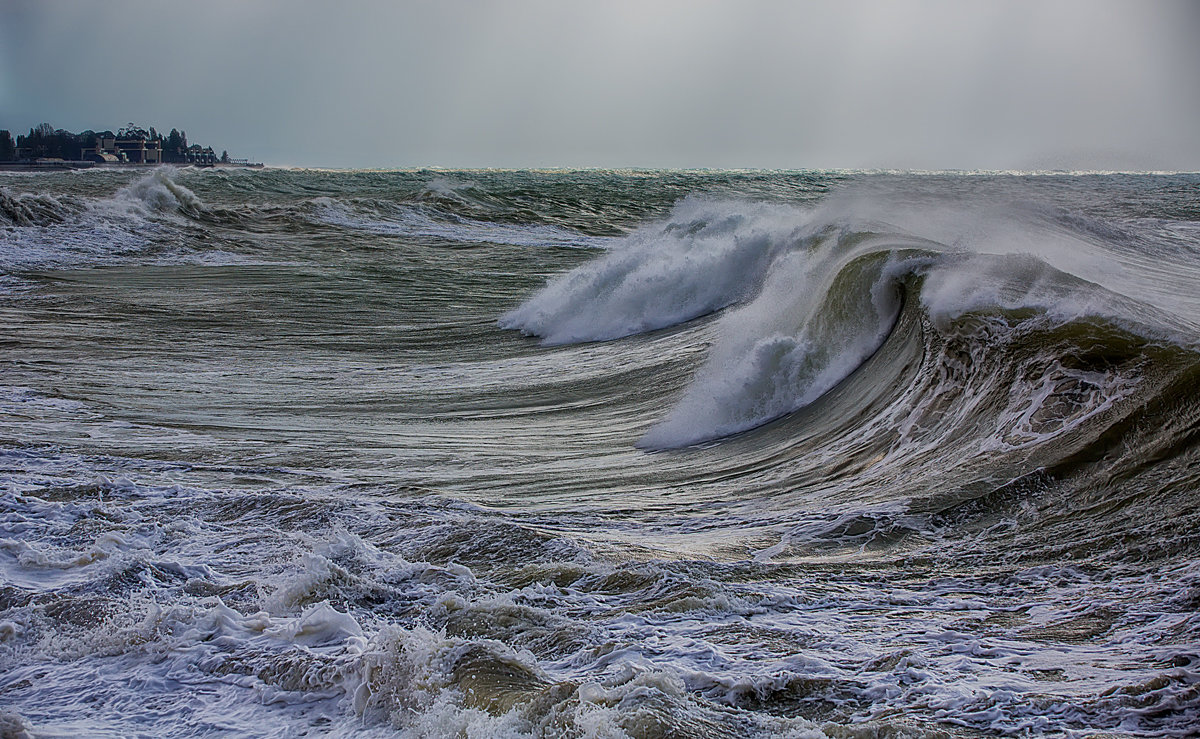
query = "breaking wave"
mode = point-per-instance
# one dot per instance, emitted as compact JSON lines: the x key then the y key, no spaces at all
{"x":811,"y":294}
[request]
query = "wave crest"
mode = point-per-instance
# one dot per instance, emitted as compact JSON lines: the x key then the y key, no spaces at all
{"x":818,"y":290}
{"x":32,"y":209}
{"x":158,"y":192}
{"x":707,"y":255}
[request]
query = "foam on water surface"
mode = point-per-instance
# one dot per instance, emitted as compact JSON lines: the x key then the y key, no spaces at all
{"x":925,"y":465}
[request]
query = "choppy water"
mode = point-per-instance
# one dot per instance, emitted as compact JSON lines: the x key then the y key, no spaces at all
{"x":295,"y":453}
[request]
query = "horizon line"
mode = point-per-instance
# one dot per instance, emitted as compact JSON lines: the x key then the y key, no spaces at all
{"x":823,"y":170}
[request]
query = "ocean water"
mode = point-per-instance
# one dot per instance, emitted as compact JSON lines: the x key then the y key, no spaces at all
{"x":599,"y":454}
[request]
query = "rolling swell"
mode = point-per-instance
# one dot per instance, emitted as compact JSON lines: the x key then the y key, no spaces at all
{"x":1010,"y":414}
{"x":882,"y":366}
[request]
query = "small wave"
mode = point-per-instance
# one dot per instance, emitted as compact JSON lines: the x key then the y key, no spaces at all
{"x":158,"y":192}
{"x":423,"y":221}
{"x":33,"y":209}
{"x":446,"y":188}
{"x":138,"y":220}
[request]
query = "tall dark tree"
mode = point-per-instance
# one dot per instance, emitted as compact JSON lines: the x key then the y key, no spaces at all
{"x":132,"y":131}
{"x":8,"y":149}
{"x":42,"y":141}
{"x":173,"y":149}
{"x":70,"y":146}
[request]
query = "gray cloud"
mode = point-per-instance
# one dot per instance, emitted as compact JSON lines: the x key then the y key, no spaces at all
{"x":867,"y":83}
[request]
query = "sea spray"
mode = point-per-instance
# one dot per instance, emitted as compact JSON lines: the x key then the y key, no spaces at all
{"x":159,"y":192}
{"x":817,"y":318}
{"x":705,"y":256}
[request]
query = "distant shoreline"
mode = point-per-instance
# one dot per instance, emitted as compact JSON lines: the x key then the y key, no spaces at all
{"x":62,"y":165}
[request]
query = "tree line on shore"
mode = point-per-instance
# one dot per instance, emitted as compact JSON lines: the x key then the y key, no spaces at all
{"x":45,"y":141}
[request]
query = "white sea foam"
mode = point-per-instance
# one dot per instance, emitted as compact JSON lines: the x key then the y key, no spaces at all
{"x":705,"y":256}
{"x":130,"y":223}
{"x":140,"y":222}
{"x":656,"y":639}
{"x":447,"y":187}
{"x":157,"y":192}
{"x":796,"y":340}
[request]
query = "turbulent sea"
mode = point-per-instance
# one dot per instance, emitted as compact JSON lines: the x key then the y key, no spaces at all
{"x":599,"y":454}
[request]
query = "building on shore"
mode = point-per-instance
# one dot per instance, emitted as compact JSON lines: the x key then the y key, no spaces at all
{"x":200,"y":156}
{"x":134,"y":150}
{"x":47,"y":147}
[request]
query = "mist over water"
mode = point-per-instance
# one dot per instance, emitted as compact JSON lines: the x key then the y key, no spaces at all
{"x":599,"y":453}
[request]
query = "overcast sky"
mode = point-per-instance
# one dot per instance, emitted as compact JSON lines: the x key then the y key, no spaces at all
{"x":855,"y":83}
